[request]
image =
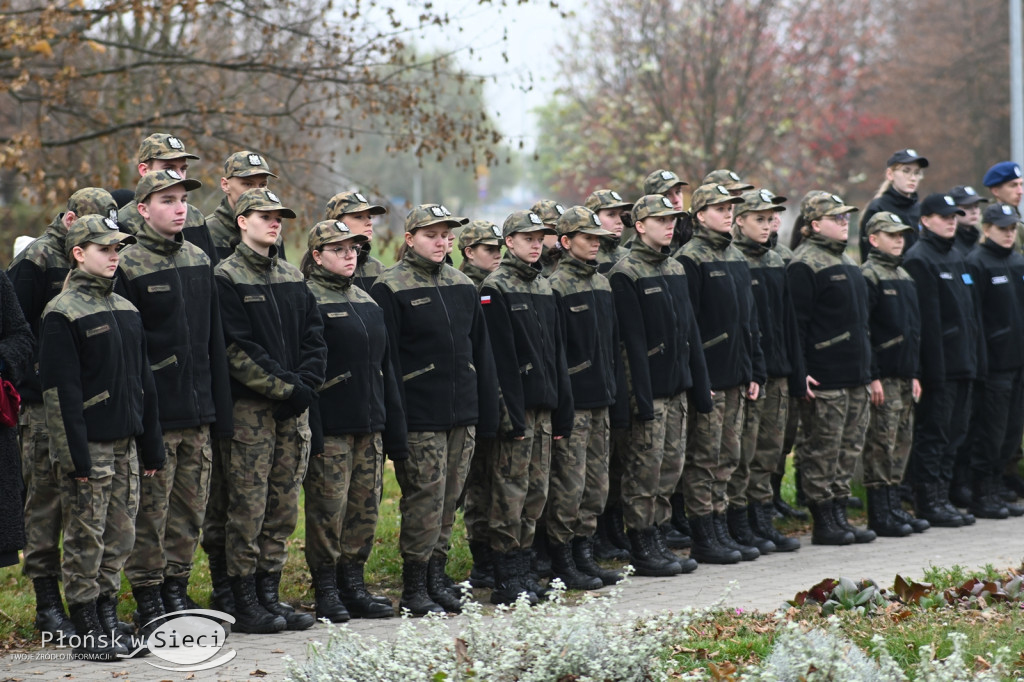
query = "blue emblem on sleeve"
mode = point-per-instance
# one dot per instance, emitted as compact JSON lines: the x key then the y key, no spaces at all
{"x":966,"y":277}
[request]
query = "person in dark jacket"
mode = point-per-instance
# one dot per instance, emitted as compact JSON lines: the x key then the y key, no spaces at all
{"x":950,"y":355}
{"x":608,"y":205}
{"x":441,"y":350}
{"x":161,"y":151}
{"x":480,"y":245}
{"x":830,"y":298}
{"x":967,"y":233}
{"x":529,"y":353}
{"x":353,"y":209}
{"x":579,"y":464}
{"x":277,"y":358}
{"x":895,"y":349}
{"x":1004,"y":180}
{"x":765,"y":418}
{"x":670,"y":185}
{"x":170,"y":282}
{"x":664,"y":359}
{"x":103,"y":418}
{"x":243,"y":171}
{"x":997,"y":420}
{"x":549,"y":211}
{"x":356,"y":420}
{"x":38,"y":274}
{"x":898,"y":194}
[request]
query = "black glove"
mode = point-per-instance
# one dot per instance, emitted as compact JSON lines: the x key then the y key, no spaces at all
{"x":295,"y":404}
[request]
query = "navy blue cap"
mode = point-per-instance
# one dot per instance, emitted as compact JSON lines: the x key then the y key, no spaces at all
{"x":906,"y":156}
{"x":964,"y":195}
{"x":1000,"y":173}
{"x":1000,"y":215}
{"x":940,"y":204}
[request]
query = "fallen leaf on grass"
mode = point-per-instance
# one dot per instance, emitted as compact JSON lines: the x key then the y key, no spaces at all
{"x":258,"y":673}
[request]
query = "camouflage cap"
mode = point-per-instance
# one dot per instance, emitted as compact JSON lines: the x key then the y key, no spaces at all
{"x":245,"y":164}
{"x":524,"y":221}
{"x":654,"y":205}
{"x":95,"y":229}
{"x":728,"y":179}
{"x":884,"y":221}
{"x":260,"y":199}
{"x":93,"y":201}
{"x":581,"y":220}
{"x":425,"y":215}
{"x":549,"y":210}
{"x":824,"y":204}
{"x":350,"y":202}
{"x":480,"y":232}
{"x":757,"y":200}
{"x":155,"y":181}
{"x":661,"y":181}
{"x":606,"y":198}
{"x":329,"y":231}
{"x":776,"y":198}
{"x":710,"y":195}
{"x":163,"y":147}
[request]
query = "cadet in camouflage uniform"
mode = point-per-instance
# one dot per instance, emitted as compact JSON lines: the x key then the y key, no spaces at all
{"x":276,"y":355}
{"x":765,"y":419}
{"x":663,"y":359}
{"x":670,"y":185}
{"x":728,"y":179}
{"x":720,"y":294}
{"x":357,"y":418}
{"x":100,"y":403}
{"x":441,"y":351}
{"x":578,"y":487}
{"x":161,"y":151}
{"x":549,"y":211}
{"x":350,"y":208}
{"x":38,"y":274}
{"x":529,"y":353}
{"x":608,"y":205}
{"x":243,"y":171}
{"x":480,"y":244}
{"x":171,"y":283}
{"x":830,"y":300}
{"x":895,"y":349}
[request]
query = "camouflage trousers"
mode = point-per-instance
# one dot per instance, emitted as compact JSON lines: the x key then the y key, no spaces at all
{"x":99,"y":526}
{"x":890,"y":434}
{"x":578,"y":484}
{"x":831,"y":438}
{"x":172,"y":504}
{"x":764,"y":427}
{"x":266,"y":464}
{"x":431,"y":481}
{"x":343,"y":486}
{"x":476,"y":497}
{"x":713,"y":453}
{"x":653,"y":464}
{"x":519,"y":484}
{"x":216,"y":517}
{"x":42,"y":495}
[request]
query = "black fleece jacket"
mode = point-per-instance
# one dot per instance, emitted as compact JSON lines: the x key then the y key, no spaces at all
{"x":998,"y":275}
{"x":895,"y":318}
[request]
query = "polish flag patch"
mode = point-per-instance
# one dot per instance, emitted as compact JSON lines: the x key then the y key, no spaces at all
{"x":485,"y":300}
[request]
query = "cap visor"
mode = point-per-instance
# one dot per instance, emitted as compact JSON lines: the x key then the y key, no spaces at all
{"x":345,"y":238}
{"x":285,"y":212}
{"x":167,"y":156}
{"x":446,"y":222}
{"x":252,"y":172}
{"x":113,"y":238}
{"x":596,"y":231}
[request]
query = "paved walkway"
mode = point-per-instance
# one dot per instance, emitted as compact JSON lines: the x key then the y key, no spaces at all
{"x":763,"y":585}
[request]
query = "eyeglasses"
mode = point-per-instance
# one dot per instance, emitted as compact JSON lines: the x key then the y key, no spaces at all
{"x":910,"y":171}
{"x":343,"y":250}
{"x":842,"y":218}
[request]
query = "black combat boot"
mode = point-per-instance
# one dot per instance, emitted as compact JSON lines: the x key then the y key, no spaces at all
{"x":762,"y":517}
{"x":860,"y":536}
{"x":603,"y":547}
{"x":436,"y":588}
{"x":583,"y":555}
{"x":126,"y":643}
{"x":686,"y":565}
{"x":779,"y":503}
{"x":706,"y":547}
{"x":482,"y":574}
{"x":929,"y":507}
{"x":50,"y":616}
{"x":267,"y":587}
{"x":150,"y":605}
{"x":540,"y":560}
{"x":960,"y":494}
{"x":673,"y":538}
{"x":356,"y":598}
{"x":617,"y":529}
{"x":414,"y":590}
{"x":250,"y":615}
{"x":985,"y":503}
{"x":175,"y":595}
{"x":507,"y":586}
{"x":881,"y":518}
{"x":738,"y":522}
{"x":896,"y":507}
{"x":825,"y":531}
{"x":747,"y":552}
{"x":564,"y":567}
{"x":1008,"y":496}
{"x":222,"y":596}
{"x":646,"y":558}
{"x":527,"y":577}
{"x":94,"y":644}
{"x":679,"y":523}
{"x":966,"y":516}
{"x":325,"y":592}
